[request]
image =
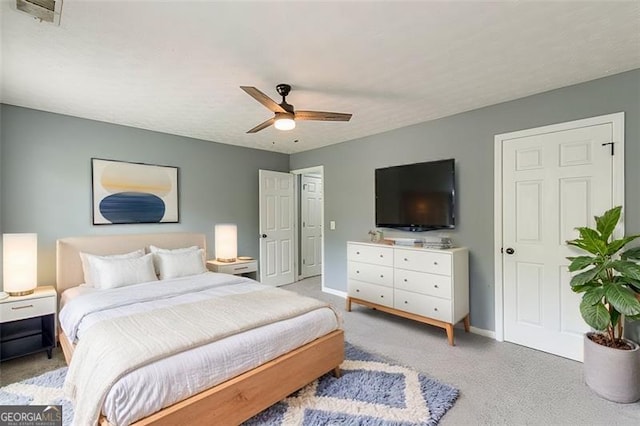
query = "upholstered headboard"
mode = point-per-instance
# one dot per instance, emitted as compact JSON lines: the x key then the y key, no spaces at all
{"x":69,"y":267}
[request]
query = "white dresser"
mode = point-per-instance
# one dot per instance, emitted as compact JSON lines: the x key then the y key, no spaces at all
{"x":426,"y":285}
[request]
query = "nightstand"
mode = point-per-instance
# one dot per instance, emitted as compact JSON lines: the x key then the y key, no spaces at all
{"x":28,"y":323}
{"x":239,"y":267}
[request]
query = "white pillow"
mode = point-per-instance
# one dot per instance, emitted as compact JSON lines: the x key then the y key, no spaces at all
{"x":180,"y":264}
{"x":155,"y":250}
{"x":112,"y":273}
{"x":88,"y":261}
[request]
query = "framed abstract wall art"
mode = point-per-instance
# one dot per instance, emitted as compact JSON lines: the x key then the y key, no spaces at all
{"x":125,"y":193}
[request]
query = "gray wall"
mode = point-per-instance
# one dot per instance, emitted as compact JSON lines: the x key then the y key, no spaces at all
{"x":45,"y":170}
{"x":1,"y":229}
{"x":45,"y":175}
{"x":469,"y":138}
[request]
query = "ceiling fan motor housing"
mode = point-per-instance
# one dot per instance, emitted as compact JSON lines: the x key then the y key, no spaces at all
{"x":284,"y":115}
{"x":283,"y":89}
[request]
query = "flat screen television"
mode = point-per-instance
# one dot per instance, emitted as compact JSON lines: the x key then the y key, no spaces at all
{"x":416,"y":197}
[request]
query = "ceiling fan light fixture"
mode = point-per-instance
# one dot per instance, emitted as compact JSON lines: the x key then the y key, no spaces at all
{"x":284,"y":121}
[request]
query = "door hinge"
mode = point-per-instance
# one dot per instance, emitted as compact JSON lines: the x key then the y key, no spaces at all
{"x":304,"y":224}
{"x":303,"y":262}
{"x":609,"y":143}
{"x":502,"y":250}
{"x":304,"y":186}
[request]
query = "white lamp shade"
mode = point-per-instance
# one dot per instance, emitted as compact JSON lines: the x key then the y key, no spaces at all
{"x":19,"y":263}
{"x":226,"y":241}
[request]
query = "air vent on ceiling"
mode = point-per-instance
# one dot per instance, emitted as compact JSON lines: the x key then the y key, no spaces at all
{"x":44,"y":10}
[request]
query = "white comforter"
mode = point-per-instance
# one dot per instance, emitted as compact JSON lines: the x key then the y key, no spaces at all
{"x":179,"y":376}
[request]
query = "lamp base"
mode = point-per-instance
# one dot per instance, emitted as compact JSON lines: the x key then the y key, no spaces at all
{"x":230,"y":260}
{"x":20,"y":293}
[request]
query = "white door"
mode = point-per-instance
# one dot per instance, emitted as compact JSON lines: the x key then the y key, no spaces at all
{"x":276,"y":228}
{"x":552,"y":182}
{"x":311,"y":244}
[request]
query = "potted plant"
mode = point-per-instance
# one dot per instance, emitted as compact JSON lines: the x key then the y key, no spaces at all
{"x":609,"y":280}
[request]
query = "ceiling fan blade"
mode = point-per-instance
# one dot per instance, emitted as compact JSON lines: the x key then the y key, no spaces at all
{"x":322,"y":116}
{"x":262,"y":125}
{"x":263,"y":99}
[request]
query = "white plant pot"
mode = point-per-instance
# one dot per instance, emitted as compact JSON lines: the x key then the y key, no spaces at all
{"x":614,"y":374}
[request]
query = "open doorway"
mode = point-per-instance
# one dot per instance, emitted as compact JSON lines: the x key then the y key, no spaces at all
{"x":309,"y":184}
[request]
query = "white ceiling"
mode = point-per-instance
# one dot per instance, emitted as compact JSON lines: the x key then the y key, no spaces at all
{"x":176,"y":66}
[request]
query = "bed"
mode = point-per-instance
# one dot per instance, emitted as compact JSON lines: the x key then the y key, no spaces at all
{"x":249,"y":386}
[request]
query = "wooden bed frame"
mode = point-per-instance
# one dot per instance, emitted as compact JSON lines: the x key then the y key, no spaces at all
{"x":230,"y":402}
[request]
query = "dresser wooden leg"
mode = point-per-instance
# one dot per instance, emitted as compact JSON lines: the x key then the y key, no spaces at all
{"x":467,"y":324}
{"x":348,"y":304}
{"x":449,"y":328}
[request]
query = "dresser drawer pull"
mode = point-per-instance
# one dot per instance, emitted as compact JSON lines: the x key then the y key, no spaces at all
{"x":382,"y":296}
{"x":435,"y":309}
{"x":357,"y":290}
{"x":406,"y":303}
{"x":381,"y":276}
{"x":405,"y":280}
{"x":435,"y":263}
{"x":436,"y":286}
{"x":406,"y":260}
{"x":21,"y":307}
{"x":357,"y":272}
{"x":357,"y":252}
{"x":382,"y":255}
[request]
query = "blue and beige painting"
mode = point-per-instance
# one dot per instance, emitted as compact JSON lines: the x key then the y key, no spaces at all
{"x":135,"y":193}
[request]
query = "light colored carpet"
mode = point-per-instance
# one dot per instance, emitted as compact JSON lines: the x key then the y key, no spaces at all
{"x":19,"y":369}
{"x":499,"y":383}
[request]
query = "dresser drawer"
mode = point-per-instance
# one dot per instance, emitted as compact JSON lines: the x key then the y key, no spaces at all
{"x":371,"y":292}
{"x":420,"y":304}
{"x":29,"y":308}
{"x":375,"y":274}
{"x":422,"y":282}
{"x":423,"y":261}
{"x":378,"y":255}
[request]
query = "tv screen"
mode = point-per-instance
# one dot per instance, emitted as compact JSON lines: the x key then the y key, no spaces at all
{"x":416,"y":197}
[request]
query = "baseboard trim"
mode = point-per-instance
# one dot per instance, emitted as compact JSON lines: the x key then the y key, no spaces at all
{"x":482,"y":332}
{"x":479,"y":331}
{"x":335,"y":292}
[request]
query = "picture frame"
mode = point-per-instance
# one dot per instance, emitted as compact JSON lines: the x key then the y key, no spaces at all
{"x":124,"y":192}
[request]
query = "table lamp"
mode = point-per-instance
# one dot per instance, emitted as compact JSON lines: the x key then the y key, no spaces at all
{"x":226,"y":241}
{"x":20,"y":263}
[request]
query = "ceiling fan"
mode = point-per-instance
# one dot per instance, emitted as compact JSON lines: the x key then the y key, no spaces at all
{"x":285,"y":117}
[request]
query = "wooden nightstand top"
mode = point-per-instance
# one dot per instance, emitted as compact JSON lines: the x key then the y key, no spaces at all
{"x":237,"y":262}
{"x":40,"y":292}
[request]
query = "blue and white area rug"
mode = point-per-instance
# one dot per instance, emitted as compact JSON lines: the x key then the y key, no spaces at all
{"x":371,"y":391}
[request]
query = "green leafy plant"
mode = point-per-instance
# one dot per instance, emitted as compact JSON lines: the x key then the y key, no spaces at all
{"x":610,"y":279}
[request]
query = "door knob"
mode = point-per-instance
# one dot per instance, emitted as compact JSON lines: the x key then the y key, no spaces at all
{"x":509,"y":250}
{"x":263,"y":236}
